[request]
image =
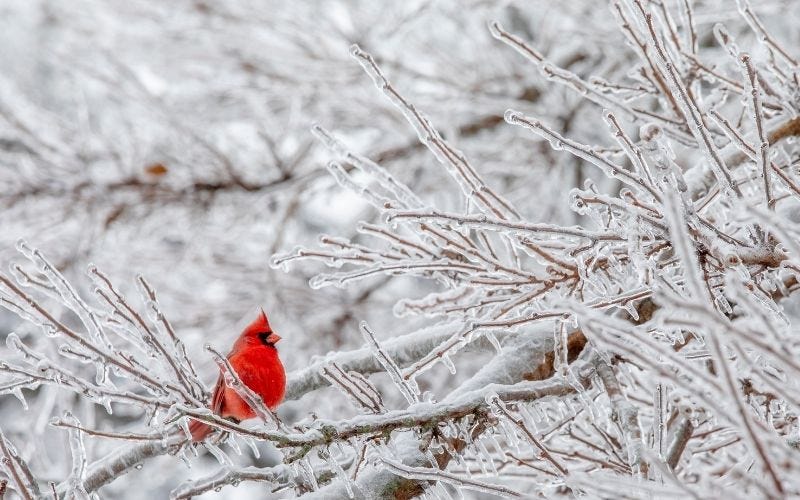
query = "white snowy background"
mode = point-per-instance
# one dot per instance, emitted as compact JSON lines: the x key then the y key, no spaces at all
{"x":556,"y":240}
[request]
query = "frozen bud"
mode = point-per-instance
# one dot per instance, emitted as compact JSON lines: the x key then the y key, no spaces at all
{"x":496,"y":29}
{"x":22,"y":245}
{"x":732,"y":259}
{"x":511,"y":116}
{"x":585,"y":370}
{"x":577,"y":202}
{"x":649,"y":132}
{"x":627,"y":195}
{"x":355,"y":50}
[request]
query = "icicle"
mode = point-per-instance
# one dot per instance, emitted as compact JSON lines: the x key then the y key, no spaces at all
{"x":101,"y":374}
{"x":17,"y":392}
{"x":434,"y":491}
{"x":493,"y":339}
{"x":658,"y":419}
{"x":220,"y":455}
{"x":527,"y":417}
{"x":183,"y":423}
{"x":253,"y":446}
{"x":506,"y":429}
{"x":722,"y":303}
{"x":450,"y":449}
{"x":234,"y":444}
{"x":430,"y":457}
{"x":449,"y":363}
{"x":340,"y":473}
{"x":442,"y":491}
{"x":484,"y":458}
{"x":560,"y":362}
{"x":185,"y":457}
{"x":630,"y":308}
{"x":309,"y":470}
{"x":105,"y":402}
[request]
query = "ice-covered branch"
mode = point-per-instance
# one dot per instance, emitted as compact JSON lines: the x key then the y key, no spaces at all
{"x":74,"y":484}
{"x":120,"y":461}
{"x":278,"y":474}
{"x":404,"y":350}
{"x":465,"y":175}
{"x":17,"y":469}
{"x":502,"y":376}
{"x":483,"y":222}
{"x":558,"y":142}
{"x":421,"y":416}
{"x":421,"y":474}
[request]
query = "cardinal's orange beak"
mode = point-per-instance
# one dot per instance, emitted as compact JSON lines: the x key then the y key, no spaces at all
{"x":273,"y":338}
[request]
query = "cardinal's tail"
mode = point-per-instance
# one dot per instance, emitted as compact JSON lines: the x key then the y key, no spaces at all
{"x":199,"y":430}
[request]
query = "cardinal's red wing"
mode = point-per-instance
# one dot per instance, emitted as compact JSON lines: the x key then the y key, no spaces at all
{"x":218,"y":398}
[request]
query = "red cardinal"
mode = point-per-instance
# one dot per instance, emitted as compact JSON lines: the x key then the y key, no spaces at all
{"x":255,"y":359}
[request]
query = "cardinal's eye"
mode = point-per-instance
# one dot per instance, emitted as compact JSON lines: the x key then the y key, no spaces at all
{"x":263,"y":336}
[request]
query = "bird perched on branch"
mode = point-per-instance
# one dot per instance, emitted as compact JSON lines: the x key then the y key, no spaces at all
{"x":255,"y":360}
